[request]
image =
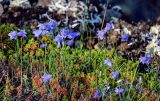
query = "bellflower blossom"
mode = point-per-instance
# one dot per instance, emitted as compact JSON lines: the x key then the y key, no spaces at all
{"x":108,"y":62}
{"x":115,"y":74}
{"x":70,"y":42}
{"x":12,"y":35}
{"x":108,"y":27}
{"x":21,"y":33}
{"x":64,"y":32}
{"x":43,"y":45}
{"x":101,"y":34}
{"x":50,"y":26}
{"x":73,"y":35}
{"x":53,"y":24}
{"x":125,"y":37}
{"x":46,"y":78}
{"x":96,"y":94}
{"x":42,"y":26}
{"x":158,"y":42}
{"x":58,"y":39}
{"x":145,"y":59}
{"x":37,"y":33}
{"x":118,"y":90}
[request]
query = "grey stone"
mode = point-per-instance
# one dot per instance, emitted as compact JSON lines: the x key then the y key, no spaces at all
{"x":1,"y":9}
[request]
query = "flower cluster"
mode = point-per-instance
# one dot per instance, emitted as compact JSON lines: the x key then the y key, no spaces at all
{"x":145,"y":59}
{"x":102,"y":33}
{"x":13,"y":35}
{"x":66,"y":35}
{"x":45,"y":28}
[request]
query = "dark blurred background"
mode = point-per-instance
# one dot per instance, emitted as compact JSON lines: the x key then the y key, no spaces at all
{"x":131,"y":10}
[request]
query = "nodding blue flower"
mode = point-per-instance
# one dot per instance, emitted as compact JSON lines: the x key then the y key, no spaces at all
{"x":118,"y":90}
{"x":145,"y":59}
{"x":64,"y":32}
{"x":125,"y":38}
{"x":44,"y":32}
{"x":13,"y":35}
{"x":108,"y":27}
{"x":115,"y":74}
{"x":37,"y":33}
{"x":53,"y":24}
{"x":42,"y":26}
{"x":158,"y":42}
{"x":101,"y":34}
{"x":46,"y":78}
{"x":96,"y":94}
{"x":108,"y":62}
{"x":70,"y":42}
{"x":43,"y":45}
{"x":58,"y":39}
{"x":73,"y":35}
{"x":48,"y":27}
{"x":21,"y":33}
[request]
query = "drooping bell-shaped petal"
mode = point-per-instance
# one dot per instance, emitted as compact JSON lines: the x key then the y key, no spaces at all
{"x":108,"y":62}
{"x":46,"y":78}
{"x":96,"y":94}
{"x":101,"y":34}
{"x":37,"y":33}
{"x":125,"y":38}
{"x":115,"y":74}
{"x":43,"y":45}
{"x":12,"y":35}
{"x":64,"y":32}
{"x":145,"y":59}
{"x":108,"y":27}
{"x":22,"y":33}
{"x":58,"y":39}
{"x":73,"y":35}
{"x":70,"y":42}
{"x":118,"y":90}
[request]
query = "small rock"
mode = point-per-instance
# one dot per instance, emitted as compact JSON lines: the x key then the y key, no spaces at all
{"x":1,"y":9}
{"x":123,"y":47}
{"x":114,"y":38}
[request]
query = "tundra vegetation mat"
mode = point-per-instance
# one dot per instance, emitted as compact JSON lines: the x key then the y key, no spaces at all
{"x":53,"y":56}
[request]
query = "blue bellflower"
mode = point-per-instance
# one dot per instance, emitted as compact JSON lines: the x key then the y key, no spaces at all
{"x":21,"y":33}
{"x":37,"y":33}
{"x":50,"y":26}
{"x":58,"y":39}
{"x":96,"y":94}
{"x":13,"y":35}
{"x":125,"y":38}
{"x":64,"y":32}
{"x":108,"y":62}
{"x":73,"y":35}
{"x":46,"y":78}
{"x":53,"y":24}
{"x":118,"y":90}
{"x":115,"y":74}
{"x":158,"y":42}
{"x":101,"y":34}
{"x":145,"y":59}
{"x":70,"y":42}
{"x":42,"y":26}
{"x":43,"y":45}
{"x":108,"y":27}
